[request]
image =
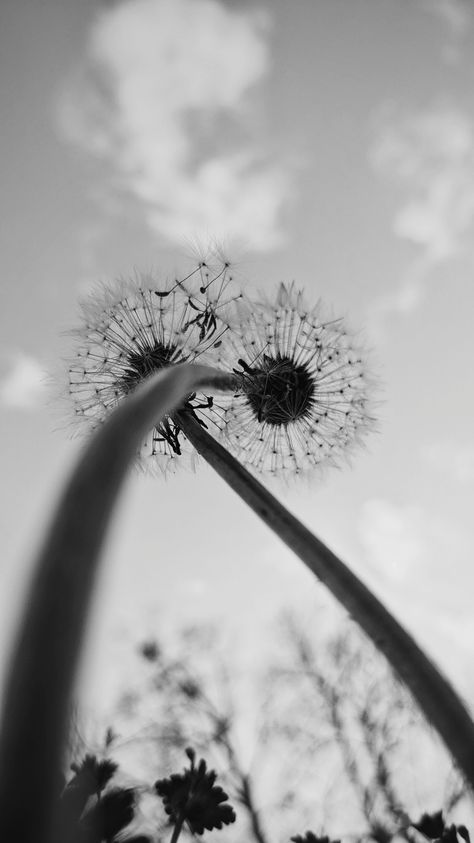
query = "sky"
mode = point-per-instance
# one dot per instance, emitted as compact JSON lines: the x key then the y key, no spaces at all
{"x":332,"y":141}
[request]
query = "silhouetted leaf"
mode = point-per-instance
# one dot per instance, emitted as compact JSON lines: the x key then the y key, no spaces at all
{"x":431,"y":825}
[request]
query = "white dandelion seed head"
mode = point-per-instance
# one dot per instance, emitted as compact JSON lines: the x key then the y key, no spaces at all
{"x":134,"y":328}
{"x":304,"y":400}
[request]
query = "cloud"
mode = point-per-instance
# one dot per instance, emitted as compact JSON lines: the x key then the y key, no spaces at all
{"x":23,"y":383}
{"x":455,"y":14}
{"x":169,"y":94}
{"x":454,"y":460}
{"x":430,"y":156}
{"x":456,"y":18}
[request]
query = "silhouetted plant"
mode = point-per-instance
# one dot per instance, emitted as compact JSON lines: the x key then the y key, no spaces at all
{"x":193,"y":797}
{"x":190,"y":707}
{"x":333,"y":709}
{"x":433,"y":827}
{"x":91,"y":811}
{"x":87,"y":814}
{"x":309,"y":837}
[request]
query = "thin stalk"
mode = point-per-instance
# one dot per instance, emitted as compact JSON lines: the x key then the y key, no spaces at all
{"x":433,"y":692}
{"x":247,"y":799}
{"x":45,"y":656}
{"x":177,"y":829}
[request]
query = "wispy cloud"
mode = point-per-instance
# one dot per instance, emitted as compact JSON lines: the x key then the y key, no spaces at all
{"x":455,"y":17}
{"x":169,"y":94}
{"x":455,"y":14}
{"x":430,"y":157}
{"x":22,"y":382}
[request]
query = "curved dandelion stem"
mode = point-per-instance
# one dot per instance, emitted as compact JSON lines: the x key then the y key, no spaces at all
{"x":434,"y":694}
{"x":44,"y":660}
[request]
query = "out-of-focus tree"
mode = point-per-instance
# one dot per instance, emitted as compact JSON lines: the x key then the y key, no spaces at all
{"x":372,"y":760}
{"x":325,"y":738}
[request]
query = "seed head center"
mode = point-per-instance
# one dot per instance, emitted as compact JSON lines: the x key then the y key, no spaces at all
{"x":279,"y":390}
{"x":145,"y":361}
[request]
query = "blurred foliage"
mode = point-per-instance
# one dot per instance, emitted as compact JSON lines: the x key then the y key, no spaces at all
{"x":324,"y":737}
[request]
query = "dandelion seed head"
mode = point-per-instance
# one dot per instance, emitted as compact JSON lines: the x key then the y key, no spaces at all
{"x":304,"y":396}
{"x":137,"y":327}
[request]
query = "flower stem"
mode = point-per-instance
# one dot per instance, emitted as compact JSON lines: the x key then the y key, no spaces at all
{"x":433,"y":692}
{"x":177,"y":829}
{"x":44,"y":660}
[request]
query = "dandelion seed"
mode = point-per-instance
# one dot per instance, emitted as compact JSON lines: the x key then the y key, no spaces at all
{"x":138,"y":327}
{"x":304,"y":393}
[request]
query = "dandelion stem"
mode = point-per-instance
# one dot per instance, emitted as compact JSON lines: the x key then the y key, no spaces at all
{"x":45,"y":656}
{"x":433,"y":692}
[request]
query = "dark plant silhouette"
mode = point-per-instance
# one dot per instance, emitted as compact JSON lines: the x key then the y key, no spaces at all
{"x":190,"y":708}
{"x":309,"y":837}
{"x":331,"y":715}
{"x":433,"y":827}
{"x":92,"y":810}
{"x":88,"y":813}
{"x":192,"y":797}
